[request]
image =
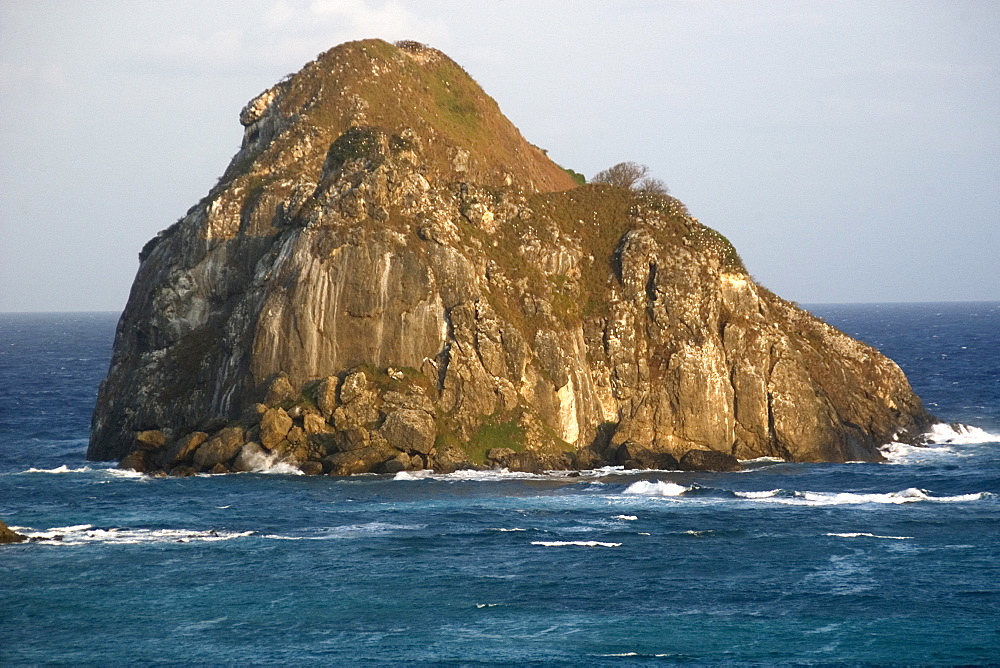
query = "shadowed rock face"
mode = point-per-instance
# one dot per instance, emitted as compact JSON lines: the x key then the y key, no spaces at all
{"x":389,"y":264}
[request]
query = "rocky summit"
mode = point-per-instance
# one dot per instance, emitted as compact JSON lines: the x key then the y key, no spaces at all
{"x":388,"y":277}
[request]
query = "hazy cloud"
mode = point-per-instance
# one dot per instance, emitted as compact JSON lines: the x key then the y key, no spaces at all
{"x":284,"y":34}
{"x":22,"y":75}
{"x":849,"y":149}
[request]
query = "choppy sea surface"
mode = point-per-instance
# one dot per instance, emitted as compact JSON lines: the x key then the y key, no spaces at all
{"x":893,"y":563}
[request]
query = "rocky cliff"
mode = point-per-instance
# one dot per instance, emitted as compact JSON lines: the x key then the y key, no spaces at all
{"x":389,"y":277}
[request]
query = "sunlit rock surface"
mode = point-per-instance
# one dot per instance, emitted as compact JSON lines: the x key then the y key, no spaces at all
{"x":389,"y":277}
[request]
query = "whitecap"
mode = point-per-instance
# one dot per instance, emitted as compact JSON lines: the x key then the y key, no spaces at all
{"x":758,"y":495}
{"x":72,"y":528}
{"x":125,"y":473}
{"x":413,"y":475}
{"x":626,"y":518}
{"x":864,"y":534}
{"x":605,"y":470}
{"x":82,"y":534}
{"x":959,"y":434}
{"x":574,"y":543}
{"x":903,"y":453}
{"x":502,"y":530}
{"x":367,"y":529}
{"x":941,"y":439}
{"x":492,"y":475}
{"x":259,"y":461}
{"x":656,"y":488}
{"x":281,"y":468}
{"x":60,"y":469}
{"x":910,"y":495}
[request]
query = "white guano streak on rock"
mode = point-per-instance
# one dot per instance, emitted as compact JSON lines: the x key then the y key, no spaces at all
{"x":382,"y":312}
{"x":328,"y":300}
{"x":569,"y":427}
{"x":425,"y":321}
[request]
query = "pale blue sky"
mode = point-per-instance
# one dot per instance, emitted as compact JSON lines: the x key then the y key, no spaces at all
{"x":851,"y":150}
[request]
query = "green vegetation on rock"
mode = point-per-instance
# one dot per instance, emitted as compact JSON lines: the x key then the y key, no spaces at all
{"x":388,"y":277}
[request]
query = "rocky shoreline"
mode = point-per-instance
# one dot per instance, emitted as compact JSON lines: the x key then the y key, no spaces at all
{"x":389,"y":277}
{"x":7,"y":535}
{"x":346,"y":427}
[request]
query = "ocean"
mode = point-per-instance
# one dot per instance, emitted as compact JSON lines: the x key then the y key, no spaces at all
{"x":891,"y":563}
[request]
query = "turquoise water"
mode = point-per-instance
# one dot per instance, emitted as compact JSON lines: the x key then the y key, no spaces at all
{"x":783,"y":563}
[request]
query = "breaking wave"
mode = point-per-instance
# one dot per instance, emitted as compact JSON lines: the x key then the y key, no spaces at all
{"x":863,"y":534}
{"x":60,"y":469}
{"x":656,"y":488}
{"x":910,"y":495}
{"x":86,"y":534}
{"x":573,"y":543}
{"x":83,"y":534}
{"x":125,"y":473}
{"x":471,"y":474}
{"x":941,"y":439}
{"x":959,"y":434}
{"x":659,"y":488}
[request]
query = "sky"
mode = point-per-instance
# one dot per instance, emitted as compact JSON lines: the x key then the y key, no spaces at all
{"x":850,"y":150}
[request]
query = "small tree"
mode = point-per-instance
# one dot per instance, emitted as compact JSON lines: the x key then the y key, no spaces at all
{"x":631,"y":175}
{"x":652,"y":185}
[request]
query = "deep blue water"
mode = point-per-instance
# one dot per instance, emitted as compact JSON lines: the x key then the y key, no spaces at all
{"x":784,"y":563}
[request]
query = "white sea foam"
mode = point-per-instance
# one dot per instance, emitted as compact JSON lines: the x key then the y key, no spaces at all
{"x":268,"y":462}
{"x":125,"y":473}
{"x":72,"y":528}
{"x":603,"y":471}
{"x":59,"y":469}
{"x":959,"y":434}
{"x":83,"y":534}
{"x":656,"y":488}
{"x":502,"y":530}
{"x":941,"y":438}
{"x":910,"y":495}
{"x":283,"y":468}
{"x":758,"y":495}
{"x":863,"y":534}
{"x":626,"y":518}
{"x":368,"y":528}
{"x":470,"y":474}
{"x":904,"y":453}
{"x":413,"y":475}
{"x":492,"y":475}
{"x":799,"y":498}
{"x":573,"y":543}
{"x":506,"y":474}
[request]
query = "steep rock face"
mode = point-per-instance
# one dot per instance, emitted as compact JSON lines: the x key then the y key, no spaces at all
{"x":392,"y":267}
